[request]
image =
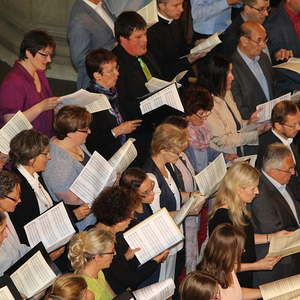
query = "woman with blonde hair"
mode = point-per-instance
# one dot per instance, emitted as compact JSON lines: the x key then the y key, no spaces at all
{"x":70,"y":287}
{"x":238,"y":188}
{"x":89,"y":253}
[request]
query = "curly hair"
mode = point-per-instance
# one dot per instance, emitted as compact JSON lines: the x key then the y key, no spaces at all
{"x":86,"y":244}
{"x":114,"y":204}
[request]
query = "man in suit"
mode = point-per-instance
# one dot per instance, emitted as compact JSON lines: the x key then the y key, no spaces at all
{"x":167,"y":42}
{"x":91,"y":26}
{"x":253,"y":75}
{"x":285,"y":126}
{"x":276,"y":208}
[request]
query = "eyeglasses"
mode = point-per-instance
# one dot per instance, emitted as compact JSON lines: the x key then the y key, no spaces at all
{"x":83,"y":130}
{"x":261,"y":9}
{"x":47,"y":154}
{"x":289,"y":171}
{"x":291,"y":126}
{"x":46,"y":55}
{"x":178,"y":153}
{"x":12,"y":199}
{"x":259,"y":42}
{"x":114,"y":70}
{"x":203,"y":115}
{"x":111,"y":253}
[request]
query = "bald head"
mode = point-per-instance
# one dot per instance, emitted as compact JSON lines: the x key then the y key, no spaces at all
{"x":252,"y":39}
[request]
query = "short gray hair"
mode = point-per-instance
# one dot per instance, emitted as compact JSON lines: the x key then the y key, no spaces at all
{"x":274,"y":156}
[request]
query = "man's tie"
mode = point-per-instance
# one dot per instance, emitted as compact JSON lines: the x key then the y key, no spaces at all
{"x":145,"y":69}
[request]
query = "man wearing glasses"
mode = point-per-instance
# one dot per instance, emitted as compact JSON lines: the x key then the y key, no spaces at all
{"x":252,"y":70}
{"x":276,"y":208}
{"x":285,"y":126}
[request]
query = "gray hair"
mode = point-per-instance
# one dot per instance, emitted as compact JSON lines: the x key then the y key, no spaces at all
{"x":274,"y":156}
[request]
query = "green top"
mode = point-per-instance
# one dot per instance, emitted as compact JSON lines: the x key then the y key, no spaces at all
{"x":99,"y":287}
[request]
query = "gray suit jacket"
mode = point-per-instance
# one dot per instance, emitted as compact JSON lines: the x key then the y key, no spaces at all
{"x":271,"y":213}
{"x":87,"y":31}
{"x":246,"y":90}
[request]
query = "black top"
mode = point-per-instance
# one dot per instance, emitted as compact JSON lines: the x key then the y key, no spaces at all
{"x":222,"y":216}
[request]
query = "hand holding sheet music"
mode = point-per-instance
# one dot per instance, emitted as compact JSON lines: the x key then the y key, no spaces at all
{"x":207,"y":45}
{"x":249,"y":158}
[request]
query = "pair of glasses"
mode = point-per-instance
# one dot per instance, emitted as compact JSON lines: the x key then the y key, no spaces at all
{"x":289,"y":171}
{"x":46,"y":55}
{"x":46,"y":154}
{"x":261,"y":10}
{"x":83,"y":130}
{"x":12,"y":199}
{"x":114,"y":70}
{"x":203,"y":115}
{"x":259,"y":42}
{"x":111,"y":253}
{"x":292,"y":126}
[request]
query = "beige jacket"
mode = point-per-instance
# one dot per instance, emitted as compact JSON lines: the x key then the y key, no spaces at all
{"x":223,"y":131}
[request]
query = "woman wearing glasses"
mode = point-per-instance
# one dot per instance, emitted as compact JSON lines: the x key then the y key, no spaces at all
{"x":69,"y":155}
{"x":90,"y":252}
{"x":109,"y":128}
{"x":26,"y":87}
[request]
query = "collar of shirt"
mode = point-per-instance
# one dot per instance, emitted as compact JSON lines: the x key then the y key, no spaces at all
{"x":286,"y":142}
{"x":91,"y":4}
{"x":280,"y":187}
{"x":165,"y":18}
{"x":247,"y":59}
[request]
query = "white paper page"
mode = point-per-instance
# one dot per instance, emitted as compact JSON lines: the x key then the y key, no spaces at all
{"x":157,"y":291}
{"x":207,"y":45}
{"x":92,"y":179}
{"x":179,"y":76}
{"x":93,"y":102}
{"x":155,"y":84}
{"x":168,"y":96}
{"x":266,"y":108}
{"x":149,"y":13}
{"x":186,"y":207}
{"x":250,"y":158}
{"x":149,"y":236}
{"x":5,"y":294}
{"x":123,"y":157}
{"x":209,"y":178}
{"x":53,"y":228}
{"x":15,"y":125}
{"x":34,"y":276}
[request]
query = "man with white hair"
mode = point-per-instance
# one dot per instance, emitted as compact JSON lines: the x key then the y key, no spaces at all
{"x":276,"y":208}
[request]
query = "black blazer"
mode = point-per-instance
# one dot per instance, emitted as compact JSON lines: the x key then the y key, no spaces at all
{"x":271,"y":213}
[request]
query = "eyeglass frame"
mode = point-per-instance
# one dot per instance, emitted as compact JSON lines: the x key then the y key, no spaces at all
{"x":12,"y":199}
{"x":45,"y":55}
{"x":83,"y":130}
{"x":265,"y":41}
{"x":262,"y":9}
{"x":289,"y":171}
{"x":203,"y":116}
{"x":115,"y":70}
{"x":291,"y":126}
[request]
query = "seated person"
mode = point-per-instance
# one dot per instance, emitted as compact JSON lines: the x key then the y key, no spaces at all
{"x":108,"y":128}
{"x":69,"y":155}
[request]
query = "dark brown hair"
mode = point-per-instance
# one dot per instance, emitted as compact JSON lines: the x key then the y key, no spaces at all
{"x":8,"y":181}
{"x":281,"y":110}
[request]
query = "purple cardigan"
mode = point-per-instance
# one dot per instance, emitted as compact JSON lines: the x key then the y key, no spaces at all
{"x":18,"y":92}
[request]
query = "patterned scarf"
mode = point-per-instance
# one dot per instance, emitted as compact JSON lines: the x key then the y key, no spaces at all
{"x":199,"y":136}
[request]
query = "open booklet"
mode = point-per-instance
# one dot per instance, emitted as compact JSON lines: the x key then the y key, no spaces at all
{"x":8,"y":290}
{"x":149,"y":13}
{"x":93,"y":102}
{"x":293,"y":64}
{"x":266,"y":108}
{"x":154,"y":235}
{"x":285,"y":245}
{"x":195,"y":201}
{"x":53,"y":228}
{"x":166,"y":96}
{"x":99,"y":172}
{"x":207,"y":45}
{"x":15,"y":125}
{"x":157,"y":291}
{"x":251,"y":159}
{"x":283,"y":289}
{"x":209,"y":178}
{"x":155,"y":84}
{"x":34,"y":272}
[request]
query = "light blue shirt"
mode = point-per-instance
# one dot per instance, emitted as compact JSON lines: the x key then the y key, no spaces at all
{"x":282,"y":190}
{"x":210,"y":16}
{"x":257,"y":72}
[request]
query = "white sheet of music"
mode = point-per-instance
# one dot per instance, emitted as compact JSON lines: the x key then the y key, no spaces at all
{"x":33,"y":276}
{"x":283,"y":289}
{"x":53,"y":228}
{"x":207,"y":45}
{"x":149,"y":13}
{"x":266,"y":108}
{"x":209,"y":178}
{"x":96,"y":174}
{"x":168,"y":96}
{"x":5,"y":294}
{"x":124,"y":156}
{"x":154,"y":235}
{"x":250,"y":158}
{"x":93,"y":102}
{"x":15,"y":125}
{"x":157,"y":291}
